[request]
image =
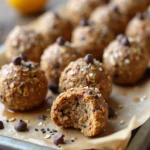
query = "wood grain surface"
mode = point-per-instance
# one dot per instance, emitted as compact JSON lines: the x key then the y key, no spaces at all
{"x":10,"y":17}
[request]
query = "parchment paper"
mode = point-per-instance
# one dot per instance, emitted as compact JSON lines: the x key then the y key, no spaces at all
{"x":130,"y":103}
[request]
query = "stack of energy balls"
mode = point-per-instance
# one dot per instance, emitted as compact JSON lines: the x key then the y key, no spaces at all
{"x":77,"y":55}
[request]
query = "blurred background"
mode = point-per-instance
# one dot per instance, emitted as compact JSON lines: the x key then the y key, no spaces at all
{"x":18,"y":12}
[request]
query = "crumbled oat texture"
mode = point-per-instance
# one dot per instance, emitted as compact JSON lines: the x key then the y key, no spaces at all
{"x":52,"y":25}
{"x":91,"y":39}
{"x":131,"y":7}
{"x":126,"y":64}
{"x":81,"y":74}
{"x":55,"y":59}
{"x":139,"y":29}
{"x":23,"y":40}
{"x":77,"y":10}
{"x":110,"y":16}
{"x":22,"y":87}
{"x":81,"y":108}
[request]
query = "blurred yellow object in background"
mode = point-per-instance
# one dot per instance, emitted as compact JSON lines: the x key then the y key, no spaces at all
{"x":27,"y":6}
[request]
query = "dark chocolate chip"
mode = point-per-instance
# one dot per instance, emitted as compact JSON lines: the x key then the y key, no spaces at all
{"x":88,"y":59}
{"x":114,"y":8}
{"x":124,"y":41}
{"x":1,"y":96}
{"x":60,"y":41}
{"x":140,"y":16}
{"x":53,"y":87}
{"x":17,"y":60}
{"x":96,"y":96}
{"x":20,"y":126}
{"x":36,"y":129}
{"x":119,"y":37}
{"x":84,"y":22}
{"x":56,"y":14}
{"x":48,"y":129}
{"x":43,"y":131}
{"x":57,"y":65}
{"x":24,"y":57}
{"x":58,"y":139}
{"x":84,"y":126}
{"x":42,"y":117}
{"x":90,"y":92}
{"x":54,"y":130}
{"x":111,"y":112}
{"x":1,"y":125}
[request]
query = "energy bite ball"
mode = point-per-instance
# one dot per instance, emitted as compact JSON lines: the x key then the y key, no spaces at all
{"x":131,"y":7}
{"x":23,"y":85}
{"x":110,"y":16}
{"x":23,"y":40}
{"x":91,"y":39}
{"x":76,"y":10}
{"x":81,"y":108}
{"x":125,"y":60}
{"x":139,"y":29}
{"x":52,"y":25}
{"x":56,"y":57}
{"x":86,"y":72}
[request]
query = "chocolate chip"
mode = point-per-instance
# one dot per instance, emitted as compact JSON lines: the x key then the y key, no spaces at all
{"x":36,"y":129}
{"x":111,"y":112}
{"x":60,"y":41}
{"x":114,"y":8}
{"x":1,"y":96}
{"x":124,"y":41}
{"x":20,"y":126}
{"x":119,"y":37}
{"x":48,"y":129}
{"x":88,"y":59}
{"x":56,"y":15}
{"x":84,"y":22}
{"x":58,"y":139}
{"x":53,"y":87}
{"x":42,"y":117}
{"x":1,"y":125}
{"x":24,"y":57}
{"x":17,"y":60}
{"x":54,"y":130}
{"x":90,"y":92}
{"x":96,"y":96}
{"x":57,"y":65}
{"x":140,"y":16}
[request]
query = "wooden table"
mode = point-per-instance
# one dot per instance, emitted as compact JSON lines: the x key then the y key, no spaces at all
{"x":10,"y":17}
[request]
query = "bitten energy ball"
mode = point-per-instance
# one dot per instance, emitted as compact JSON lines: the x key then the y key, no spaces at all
{"x":139,"y":29}
{"x":23,"y":40}
{"x":23,"y":85}
{"x":52,"y":25}
{"x":56,"y":57}
{"x":81,"y":108}
{"x":86,"y":72}
{"x":91,"y":39}
{"x":131,"y":7}
{"x":125,"y":60}
{"x":77,"y":10}
{"x":110,"y":16}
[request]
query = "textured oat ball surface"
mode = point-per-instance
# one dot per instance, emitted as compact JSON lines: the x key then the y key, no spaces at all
{"x":139,"y":29}
{"x":91,"y":39}
{"x":23,"y":40}
{"x":55,"y":58}
{"x":110,"y":16}
{"x":131,"y":7}
{"x":52,"y":25}
{"x":22,"y":87}
{"x":86,"y":72}
{"x":125,"y":60}
{"x":77,"y":10}
{"x":81,"y":108}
